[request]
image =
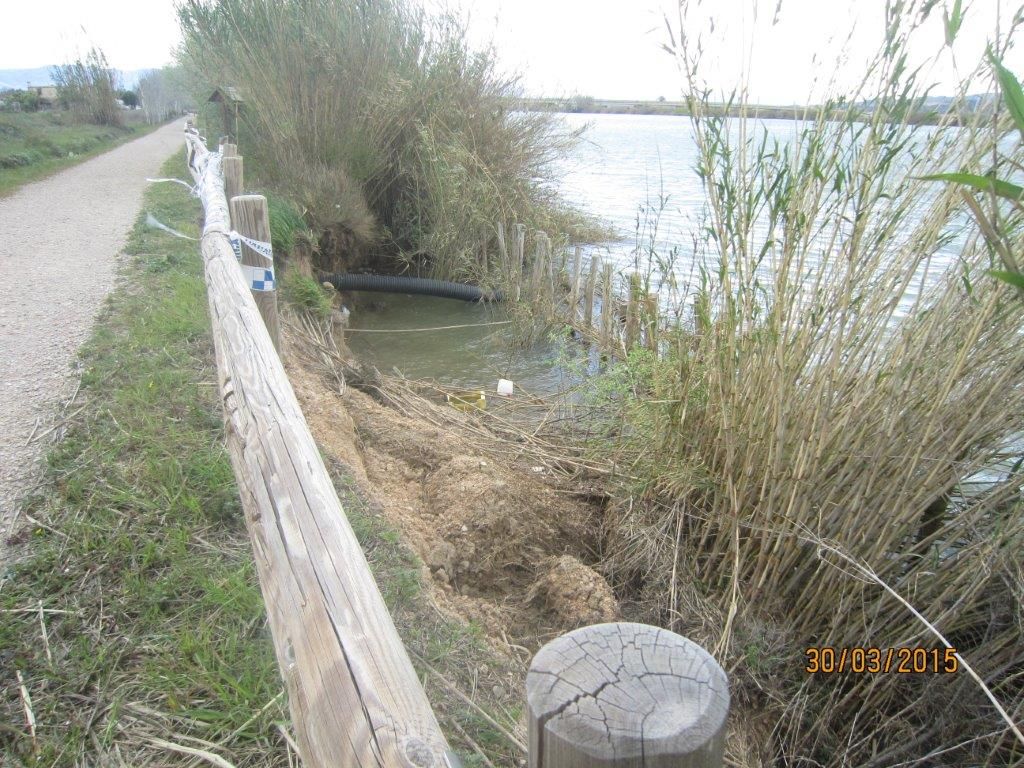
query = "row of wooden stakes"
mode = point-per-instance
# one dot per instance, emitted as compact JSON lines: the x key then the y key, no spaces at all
{"x":578,"y":293}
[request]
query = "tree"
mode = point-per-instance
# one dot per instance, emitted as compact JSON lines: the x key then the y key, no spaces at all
{"x":130,"y":99}
{"x":26,"y":101}
{"x":163,"y":94}
{"x":90,"y":88}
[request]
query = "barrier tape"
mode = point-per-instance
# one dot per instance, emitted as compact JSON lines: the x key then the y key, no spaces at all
{"x":152,"y":221}
{"x":192,"y":190}
{"x":263,"y":249}
{"x":236,"y":245}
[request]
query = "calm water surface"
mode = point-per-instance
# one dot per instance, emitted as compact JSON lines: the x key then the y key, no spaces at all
{"x":625,"y":162}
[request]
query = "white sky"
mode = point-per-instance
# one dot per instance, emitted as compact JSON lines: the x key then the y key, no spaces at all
{"x":603,"y":48}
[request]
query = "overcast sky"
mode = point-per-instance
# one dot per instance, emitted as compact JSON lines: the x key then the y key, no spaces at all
{"x":609,"y":49}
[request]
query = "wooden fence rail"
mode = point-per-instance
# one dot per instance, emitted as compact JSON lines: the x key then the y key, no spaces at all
{"x":355,"y":698}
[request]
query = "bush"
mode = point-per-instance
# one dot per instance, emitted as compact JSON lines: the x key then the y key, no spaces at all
{"x":306,"y":295}
{"x":19,"y":100}
{"x":379,"y":122}
{"x":90,"y":88}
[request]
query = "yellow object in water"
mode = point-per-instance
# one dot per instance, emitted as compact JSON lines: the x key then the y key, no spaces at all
{"x":467,"y":399}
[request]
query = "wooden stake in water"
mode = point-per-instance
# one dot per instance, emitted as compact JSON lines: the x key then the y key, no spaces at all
{"x":506,"y":267}
{"x":618,"y":695}
{"x":574,"y":284}
{"x":252,"y":221}
{"x":632,"y":331}
{"x":519,"y":258}
{"x":588,"y":298}
{"x":651,"y":308}
{"x":607,"y":309}
{"x":538,"y":268}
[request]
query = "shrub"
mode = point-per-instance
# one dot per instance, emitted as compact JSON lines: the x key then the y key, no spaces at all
{"x":306,"y":295}
{"x":378,"y":121}
{"x":90,"y":88}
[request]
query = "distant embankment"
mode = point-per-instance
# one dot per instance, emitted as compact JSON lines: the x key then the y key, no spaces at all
{"x":926,"y":115}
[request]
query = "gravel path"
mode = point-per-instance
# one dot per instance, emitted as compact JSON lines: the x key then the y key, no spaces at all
{"x":60,"y":245}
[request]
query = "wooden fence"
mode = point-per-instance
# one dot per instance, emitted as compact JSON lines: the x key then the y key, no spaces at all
{"x":606,"y":695}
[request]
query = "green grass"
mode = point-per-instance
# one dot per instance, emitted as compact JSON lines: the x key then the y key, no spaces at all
{"x":34,"y":145}
{"x":136,"y":552}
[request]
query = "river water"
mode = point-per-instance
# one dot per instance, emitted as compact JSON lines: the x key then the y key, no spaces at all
{"x":625,"y":163}
{"x":630,"y":171}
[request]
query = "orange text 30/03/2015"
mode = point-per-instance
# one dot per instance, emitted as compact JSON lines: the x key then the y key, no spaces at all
{"x":868,"y":660}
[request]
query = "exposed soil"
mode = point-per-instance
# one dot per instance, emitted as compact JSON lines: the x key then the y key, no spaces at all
{"x":59,"y":245}
{"x":502,"y":545}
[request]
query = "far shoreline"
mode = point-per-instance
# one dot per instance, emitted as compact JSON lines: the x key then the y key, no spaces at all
{"x":590,"y":106}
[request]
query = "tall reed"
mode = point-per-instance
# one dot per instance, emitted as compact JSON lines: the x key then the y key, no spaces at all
{"x":846,"y":386}
{"x":382,"y":123}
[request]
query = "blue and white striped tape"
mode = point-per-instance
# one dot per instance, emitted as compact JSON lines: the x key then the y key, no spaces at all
{"x":258,"y":278}
{"x":263,"y":249}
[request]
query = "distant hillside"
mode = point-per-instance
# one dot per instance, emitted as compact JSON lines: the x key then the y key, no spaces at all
{"x":19,"y":78}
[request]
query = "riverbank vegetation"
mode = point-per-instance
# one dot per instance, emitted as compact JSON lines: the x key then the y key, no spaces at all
{"x":377,"y":119}
{"x":39,"y":136}
{"x":924,"y":110}
{"x":829,"y":455}
{"x":35,"y":144}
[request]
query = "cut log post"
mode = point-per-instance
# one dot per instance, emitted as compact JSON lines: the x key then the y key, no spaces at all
{"x":234,"y":183}
{"x":354,"y":695}
{"x":607,"y":309}
{"x":588,"y":298}
{"x":251,"y":219}
{"x":228,"y":149}
{"x":625,"y":696}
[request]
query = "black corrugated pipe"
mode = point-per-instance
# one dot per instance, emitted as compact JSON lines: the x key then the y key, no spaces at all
{"x":346,"y":281}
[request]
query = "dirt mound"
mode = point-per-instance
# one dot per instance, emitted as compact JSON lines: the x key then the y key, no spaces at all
{"x":499,"y":524}
{"x":575,"y":593}
{"x":505,"y":549}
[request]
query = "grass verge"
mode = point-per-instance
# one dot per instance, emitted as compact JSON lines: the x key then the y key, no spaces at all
{"x":34,"y":145}
{"x":132,"y":626}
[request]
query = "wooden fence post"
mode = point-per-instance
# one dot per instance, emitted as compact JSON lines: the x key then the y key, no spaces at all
{"x":625,"y":695}
{"x":354,"y":696}
{"x":250,"y":218}
{"x":234,"y":184}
